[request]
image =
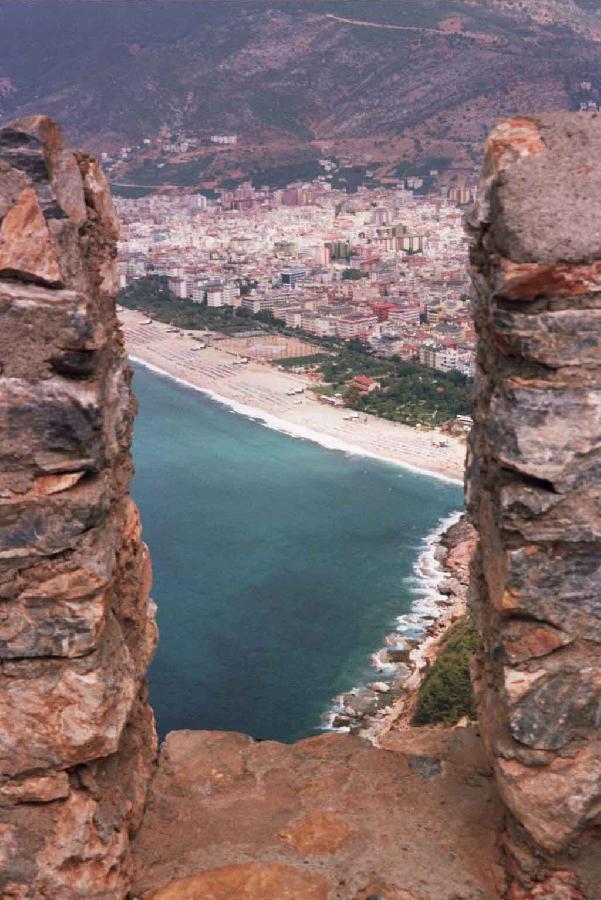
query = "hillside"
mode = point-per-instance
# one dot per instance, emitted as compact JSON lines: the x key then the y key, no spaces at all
{"x":393,"y":86}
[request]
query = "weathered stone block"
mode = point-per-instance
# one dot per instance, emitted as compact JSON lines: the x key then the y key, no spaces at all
{"x":545,"y":711}
{"x":36,"y":147}
{"x":545,"y":431}
{"x":54,"y":426}
{"x":540,"y":514}
{"x":562,"y":338}
{"x":56,"y":713}
{"x":30,"y":528}
{"x":543,"y":205}
{"x":534,"y":483}
{"x":523,"y":640}
{"x":26,"y":246}
{"x":34,"y":789}
{"x":62,"y":616}
{"x":77,"y":630}
{"x":529,"y":281}
{"x":56,"y":331}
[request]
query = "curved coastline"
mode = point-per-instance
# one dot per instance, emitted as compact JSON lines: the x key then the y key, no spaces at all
{"x":371,"y":707}
{"x":289,"y":428}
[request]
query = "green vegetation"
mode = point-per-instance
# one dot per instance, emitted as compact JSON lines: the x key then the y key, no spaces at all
{"x":182,"y":174}
{"x":446,"y":694}
{"x":353,"y":274}
{"x":130,"y":193}
{"x":151,"y":295}
{"x":282,"y":111}
{"x":408,"y":392}
{"x":281,"y":176}
{"x":306,"y":361}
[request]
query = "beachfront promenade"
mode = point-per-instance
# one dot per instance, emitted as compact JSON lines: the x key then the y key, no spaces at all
{"x":260,"y":390}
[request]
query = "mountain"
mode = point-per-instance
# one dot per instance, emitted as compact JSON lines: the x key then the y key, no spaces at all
{"x":393,"y":86}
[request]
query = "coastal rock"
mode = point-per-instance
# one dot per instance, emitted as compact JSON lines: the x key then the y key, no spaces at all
{"x":450,"y":587}
{"x":361,"y":704}
{"x":402,"y":672}
{"x":341,"y":721}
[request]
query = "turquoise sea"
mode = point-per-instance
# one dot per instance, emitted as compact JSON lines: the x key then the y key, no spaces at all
{"x":279,"y":566}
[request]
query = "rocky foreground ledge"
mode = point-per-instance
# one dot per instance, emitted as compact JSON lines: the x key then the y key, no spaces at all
{"x":328,"y":818}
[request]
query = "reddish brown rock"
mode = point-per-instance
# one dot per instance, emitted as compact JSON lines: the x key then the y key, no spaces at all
{"x":510,"y":141}
{"x":26,"y":247}
{"x":34,"y":789}
{"x":527,"y":281}
{"x":524,"y":640}
{"x":317,"y":832}
{"x":333,"y":806}
{"x":79,"y":859}
{"x":59,"y":713}
{"x":247,"y":881}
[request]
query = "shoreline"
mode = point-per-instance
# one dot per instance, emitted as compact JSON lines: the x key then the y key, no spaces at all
{"x":378,"y":439}
{"x":400,"y":665}
{"x":329,"y":442}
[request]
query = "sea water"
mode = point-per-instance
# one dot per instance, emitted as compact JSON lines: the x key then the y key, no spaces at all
{"x":279,"y":565}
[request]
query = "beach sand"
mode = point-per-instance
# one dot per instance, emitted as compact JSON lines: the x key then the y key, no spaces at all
{"x":259,"y":390}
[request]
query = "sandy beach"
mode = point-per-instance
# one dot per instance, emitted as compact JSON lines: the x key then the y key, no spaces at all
{"x":261,"y":391}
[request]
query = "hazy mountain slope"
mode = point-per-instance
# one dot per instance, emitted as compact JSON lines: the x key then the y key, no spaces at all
{"x":383,"y":81}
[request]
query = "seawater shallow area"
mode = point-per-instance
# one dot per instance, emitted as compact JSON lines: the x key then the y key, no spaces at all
{"x":279,"y":565}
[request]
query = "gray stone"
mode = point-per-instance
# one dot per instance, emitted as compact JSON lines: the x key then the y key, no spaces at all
{"x":568,"y":337}
{"x":547,"y":717}
{"x":54,"y":425}
{"x":425,"y":766}
{"x":544,"y":431}
{"x":544,"y":208}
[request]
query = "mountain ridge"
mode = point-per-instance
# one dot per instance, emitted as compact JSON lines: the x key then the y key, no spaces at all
{"x":388,"y":84}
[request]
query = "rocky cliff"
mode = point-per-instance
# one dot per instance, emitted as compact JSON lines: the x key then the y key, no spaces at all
{"x":77,"y":736}
{"x":534,"y":490}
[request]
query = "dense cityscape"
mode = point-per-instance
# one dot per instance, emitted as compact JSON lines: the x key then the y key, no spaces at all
{"x":385,"y":266}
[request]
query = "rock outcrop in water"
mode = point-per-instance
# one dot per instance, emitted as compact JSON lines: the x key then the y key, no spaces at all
{"x":534,"y":489}
{"x":77,"y":738}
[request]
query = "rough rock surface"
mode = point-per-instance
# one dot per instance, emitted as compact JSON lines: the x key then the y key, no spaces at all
{"x":534,"y":492}
{"x":328,"y":818}
{"x":77,"y":738}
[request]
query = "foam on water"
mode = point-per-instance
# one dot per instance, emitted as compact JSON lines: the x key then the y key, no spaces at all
{"x":425,"y":583}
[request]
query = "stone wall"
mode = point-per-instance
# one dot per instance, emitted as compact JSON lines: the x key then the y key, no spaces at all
{"x":77,"y":739}
{"x":534,"y":491}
